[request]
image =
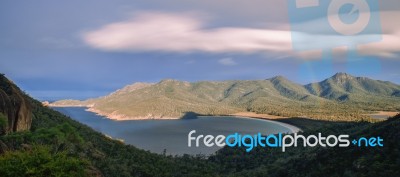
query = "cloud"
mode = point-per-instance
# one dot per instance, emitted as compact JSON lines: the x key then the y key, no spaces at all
{"x":182,"y":33}
{"x":227,"y":62}
{"x":156,"y":31}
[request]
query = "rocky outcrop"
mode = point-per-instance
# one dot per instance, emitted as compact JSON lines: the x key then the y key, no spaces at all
{"x":14,"y":106}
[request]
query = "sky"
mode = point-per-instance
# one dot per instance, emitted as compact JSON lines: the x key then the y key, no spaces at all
{"x":81,"y":49}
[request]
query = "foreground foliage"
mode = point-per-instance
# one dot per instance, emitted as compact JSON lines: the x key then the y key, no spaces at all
{"x":320,"y":161}
{"x":41,"y":161}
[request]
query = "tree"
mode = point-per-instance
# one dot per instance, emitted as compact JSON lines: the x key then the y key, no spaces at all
{"x":40,"y":161}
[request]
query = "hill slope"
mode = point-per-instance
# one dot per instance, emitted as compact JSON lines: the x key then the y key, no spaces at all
{"x":333,"y":98}
{"x":343,"y":87}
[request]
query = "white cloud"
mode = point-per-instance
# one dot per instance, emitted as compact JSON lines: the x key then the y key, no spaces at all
{"x":155,"y":31}
{"x":182,"y":33}
{"x":227,"y":62}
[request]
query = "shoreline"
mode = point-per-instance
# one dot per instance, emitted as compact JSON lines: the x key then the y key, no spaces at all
{"x":292,"y":128}
{"x":66,"y":106}
{"x":121,"y":117}
{"x":246,"y":115}
{"x":382,"y":114}
{"x":269,"y":117}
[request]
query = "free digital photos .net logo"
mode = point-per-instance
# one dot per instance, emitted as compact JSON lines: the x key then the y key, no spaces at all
{"x":280,"y":140}
{"x":323,"y":25}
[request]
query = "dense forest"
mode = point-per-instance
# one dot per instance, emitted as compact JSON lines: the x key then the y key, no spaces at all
{"x":56,"y":145}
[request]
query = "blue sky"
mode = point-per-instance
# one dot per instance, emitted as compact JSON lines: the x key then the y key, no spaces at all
{"x":81,"y":49}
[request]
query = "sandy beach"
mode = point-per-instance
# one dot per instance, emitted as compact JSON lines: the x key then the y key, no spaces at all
{"x":383,"y":114}
{"x":267,"y":117}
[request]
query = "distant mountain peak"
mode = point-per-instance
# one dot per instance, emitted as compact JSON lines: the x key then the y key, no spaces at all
{"x":132,"y":87}
{"x":173,"y":82}
{"x":136,"y":85}
{"x":342,"y":77}
{"x":168,"y":80}
{"x":278,"y":78}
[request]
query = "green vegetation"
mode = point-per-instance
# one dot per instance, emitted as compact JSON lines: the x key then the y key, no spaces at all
{"x":3,"y":123}
{"x":59,"y":146}
{"x":339,"y":98}
{"x":319,"y":161}
{"x":41,"y":161}
{"x":103,"y":155}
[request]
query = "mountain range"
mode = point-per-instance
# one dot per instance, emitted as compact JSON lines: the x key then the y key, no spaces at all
{"x":340,"y":97}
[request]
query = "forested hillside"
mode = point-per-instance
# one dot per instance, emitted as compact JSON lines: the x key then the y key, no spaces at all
{"x":320,"y":161}
{"x":341,"y":97}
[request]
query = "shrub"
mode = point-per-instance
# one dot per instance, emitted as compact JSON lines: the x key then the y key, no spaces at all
{"x":39,"y":161}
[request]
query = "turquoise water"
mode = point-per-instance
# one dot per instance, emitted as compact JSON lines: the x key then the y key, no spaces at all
{"x":172,"y":135}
